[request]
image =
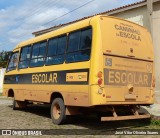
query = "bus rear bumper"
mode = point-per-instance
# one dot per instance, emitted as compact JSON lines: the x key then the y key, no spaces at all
{"x":115,"y":118}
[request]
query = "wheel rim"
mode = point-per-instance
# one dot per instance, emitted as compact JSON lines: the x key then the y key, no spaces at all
{"x":56,"y":111}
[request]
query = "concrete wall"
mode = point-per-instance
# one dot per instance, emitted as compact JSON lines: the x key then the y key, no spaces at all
{"x":156,"y":41}
{"x":2,"y":71}
{"x":137,"y":15}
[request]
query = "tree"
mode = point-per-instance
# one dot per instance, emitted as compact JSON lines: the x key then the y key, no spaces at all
{"x":4,"y":57}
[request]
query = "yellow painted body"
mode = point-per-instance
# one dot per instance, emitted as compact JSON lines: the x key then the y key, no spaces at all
{"x":120,"y":48}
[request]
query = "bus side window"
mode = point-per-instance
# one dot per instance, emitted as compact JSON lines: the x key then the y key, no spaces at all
{"x":24,"y":57}
{"x":86,"y":37}
{"x":56,"y":50}
{"x":38,"y":54}
{"x":13,"y":62}
{"x":79,"y":46}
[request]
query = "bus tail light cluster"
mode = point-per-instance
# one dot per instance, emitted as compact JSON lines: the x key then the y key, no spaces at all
{"x":100,"y":80}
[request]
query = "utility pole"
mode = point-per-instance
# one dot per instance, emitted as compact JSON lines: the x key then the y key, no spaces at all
{"x":150,"y":12}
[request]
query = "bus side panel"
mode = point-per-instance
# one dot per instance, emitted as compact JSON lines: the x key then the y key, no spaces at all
{"x":72,"y":84}
{"x":72,"y":95}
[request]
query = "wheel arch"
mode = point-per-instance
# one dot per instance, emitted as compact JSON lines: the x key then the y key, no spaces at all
{"x":56,"y":95}
{"x":10,"y":93}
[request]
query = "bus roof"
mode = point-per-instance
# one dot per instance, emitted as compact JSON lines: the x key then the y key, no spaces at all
{"x":57,"y":32}
{"x":65,"y":29}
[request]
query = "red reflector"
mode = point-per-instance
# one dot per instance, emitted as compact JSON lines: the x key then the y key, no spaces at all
{"x":108,"y":96}
{"x":100,"y":81}
{"x":108,"y":51}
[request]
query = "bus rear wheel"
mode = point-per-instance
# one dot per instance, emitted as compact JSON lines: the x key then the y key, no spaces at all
{"x":58,"y":111}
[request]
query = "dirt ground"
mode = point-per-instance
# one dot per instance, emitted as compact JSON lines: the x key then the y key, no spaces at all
{"x":38,"y":117}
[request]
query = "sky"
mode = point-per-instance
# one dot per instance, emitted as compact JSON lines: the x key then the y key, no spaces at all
{"x":20,"y":18}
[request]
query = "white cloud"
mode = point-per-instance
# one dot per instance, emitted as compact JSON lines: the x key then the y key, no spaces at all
{"x":47,"y":15}
{"x":18,"y":22}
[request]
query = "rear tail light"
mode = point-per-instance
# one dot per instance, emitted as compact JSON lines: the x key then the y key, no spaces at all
{"x":100,"y":80}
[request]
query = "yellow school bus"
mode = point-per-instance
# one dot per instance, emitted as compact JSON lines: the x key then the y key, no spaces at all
{"x":101,"y":64}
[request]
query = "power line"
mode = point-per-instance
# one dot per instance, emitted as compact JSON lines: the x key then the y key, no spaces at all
{"x":69,"y":12}
{"x":32,"y":9}
{"x":66,"y":13}
{"x":23,"y":35}
{"x":46,"y":3}
{"x":47,"y":6}
{"x":36,"y":11}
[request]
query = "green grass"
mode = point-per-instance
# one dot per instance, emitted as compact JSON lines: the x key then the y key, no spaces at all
{"x":0,"y":94}
{"x":155,"y":122}
{"x":152,"y":124}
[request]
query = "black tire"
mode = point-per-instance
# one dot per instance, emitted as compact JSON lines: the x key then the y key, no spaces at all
{"x":98,"y":116}
{"x":146,"y":121}
{"x":23,"y":104}
{"x":14,"y":104}
{"x":58,"y":110}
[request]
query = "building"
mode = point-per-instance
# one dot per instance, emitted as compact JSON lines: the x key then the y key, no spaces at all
{"x":145,"y":13}
{"x":2,"y":71}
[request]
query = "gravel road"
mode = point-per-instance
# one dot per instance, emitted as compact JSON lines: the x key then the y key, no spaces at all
{"x":38,"y":117}
{"x":5,"y":102}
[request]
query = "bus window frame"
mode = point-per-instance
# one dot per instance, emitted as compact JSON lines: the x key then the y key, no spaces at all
{"x":81,"y":29}
{"x":46,"y":49}
{"x":38,"y":53}
{"x":59,"y":36}
{"x":10,"y":60}
{"x":30,"y":45}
